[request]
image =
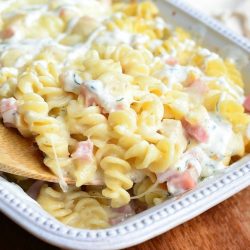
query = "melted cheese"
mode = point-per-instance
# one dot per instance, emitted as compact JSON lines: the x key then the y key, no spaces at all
{"x":219,"y":136}
{"x":117,"y":37}
{"x":175,"y":74}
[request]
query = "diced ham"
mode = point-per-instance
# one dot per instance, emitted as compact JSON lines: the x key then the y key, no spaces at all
{"x":84,"y":151}
{"x":119,"y":106}
{"x":8,"y":104}
{"x":246,"y":104}
{"x":139,"y":206}
{"x":182,"y":181}
{"x":34,"y":189}
{"x":90,"y":98}
{"x":63,"y":12}
{"x":198,"y":87}
{"x":163,"y":186}
{"x":127,"y":209}
{"x":195,"y":131}
{"x":163,"y":177}
{"x":8,"y":110}
{"x":66,"y":14}
{"x":178,"y":182}
{"x":194,"y":169}
{"x":8,"y":33}
{"x":122,"y":213}
{"x":116,"y":220}
{"x":171,"y":61}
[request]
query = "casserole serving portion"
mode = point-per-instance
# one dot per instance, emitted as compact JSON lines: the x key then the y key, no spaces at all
{"x":133,"y":108}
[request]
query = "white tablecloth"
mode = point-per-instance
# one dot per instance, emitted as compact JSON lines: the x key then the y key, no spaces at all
{"x":234,"y":13}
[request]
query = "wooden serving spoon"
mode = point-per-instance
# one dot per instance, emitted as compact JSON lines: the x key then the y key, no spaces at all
{"x":20,"y":156}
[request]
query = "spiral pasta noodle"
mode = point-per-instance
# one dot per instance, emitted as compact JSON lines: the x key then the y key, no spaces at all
{"x":87,"y":121}
{"x":74,"y":208}
{"x":134,"y":62}
{"x":116,"y":179}
{"x":8,"y":81}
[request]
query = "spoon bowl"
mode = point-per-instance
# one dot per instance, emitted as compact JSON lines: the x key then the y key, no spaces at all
{"x":20,"y":156}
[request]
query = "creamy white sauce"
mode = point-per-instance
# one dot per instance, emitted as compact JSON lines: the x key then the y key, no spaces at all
{"x":160,"y":24}
{"x":33,"y":12}
{"x":29,"y":43}
{"x":9,"y":70}
{"x":30,"y":14}
{"x":8,"y":111}
{"x":69,"y":80}
{"x":9,"y":117}
{"x":209,"y":166}
{"x":155,"y":44}
{"x":175,"y":74}
{"x":97,"y":9}
{"x":72,"y":83}
{"x":219,"y":135}
{"x":106,"y":100}
{"x":117,"y":37}
{"x":187,"y":158}
{"x":81,"y":49}
{"x":27,"y":11}
{"x":118,"y":15}
{"x":207,"y":158}
{"x":186,"y":45}
{"x":32,"y":48}
{"x":17,"y":35}
{"x":178,"y":74}
{"x":207,"y":54}
{"x":70,"y":27}
{"x":199,"y":159}
{"x":34,"y":15}
{"x":68,"y":6}
{"x":235,"y":90}
{"x":6,"y":4}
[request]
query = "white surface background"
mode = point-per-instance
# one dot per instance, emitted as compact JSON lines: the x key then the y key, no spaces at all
{"x":234,"y":13}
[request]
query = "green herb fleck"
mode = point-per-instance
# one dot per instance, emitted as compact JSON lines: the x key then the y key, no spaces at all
{"x":217,"y":106}
{"x":119,"y":100}
{"x":75,"y":81}
{"x":92,"y":87}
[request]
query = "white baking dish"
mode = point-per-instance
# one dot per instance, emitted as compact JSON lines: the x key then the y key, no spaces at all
{"x":27,"y":213}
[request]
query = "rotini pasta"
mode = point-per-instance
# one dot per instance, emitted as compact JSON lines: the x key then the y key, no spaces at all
{"x":8,"y":81}
{"x":88,"y":121}
{"x":74,"y":208}
{"x":116,"y":179}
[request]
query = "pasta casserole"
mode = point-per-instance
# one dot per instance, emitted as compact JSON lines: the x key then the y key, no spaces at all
{"x":132,"y":108}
